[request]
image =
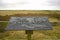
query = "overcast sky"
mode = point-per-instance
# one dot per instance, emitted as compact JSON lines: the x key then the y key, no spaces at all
{"x":29,"y":4}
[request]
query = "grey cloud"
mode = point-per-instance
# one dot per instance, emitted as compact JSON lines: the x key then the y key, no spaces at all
{"x":2,"y":4}
{"x":54,"y":2}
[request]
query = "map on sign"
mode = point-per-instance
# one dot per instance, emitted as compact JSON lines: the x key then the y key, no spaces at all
{"x":28,"y":23}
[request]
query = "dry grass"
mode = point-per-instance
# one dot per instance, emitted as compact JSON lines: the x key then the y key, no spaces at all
{"x":37,"y":34}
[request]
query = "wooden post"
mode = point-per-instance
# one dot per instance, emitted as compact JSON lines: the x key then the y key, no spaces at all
{"x":28,"y":36}
{"x":29,"y":32}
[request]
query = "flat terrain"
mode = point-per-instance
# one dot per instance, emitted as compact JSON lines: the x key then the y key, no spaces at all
{"x":53,"y":34}
{"x":12,"y":12}
{"x":37,"y":34}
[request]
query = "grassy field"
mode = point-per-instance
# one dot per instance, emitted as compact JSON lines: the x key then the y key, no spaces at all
{"x":53,"y":34}
{"x":12,"y":12}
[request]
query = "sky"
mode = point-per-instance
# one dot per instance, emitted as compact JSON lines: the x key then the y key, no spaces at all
{"x":29,"y":4}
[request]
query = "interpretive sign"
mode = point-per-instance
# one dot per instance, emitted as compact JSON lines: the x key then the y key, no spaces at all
{"x":28,"y":23}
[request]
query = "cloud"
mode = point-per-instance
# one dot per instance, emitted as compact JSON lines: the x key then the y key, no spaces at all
{"x":30,"y":4}
{"x":54,"y":2}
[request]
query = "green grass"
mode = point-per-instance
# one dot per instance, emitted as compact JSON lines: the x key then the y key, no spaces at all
{"x":3,"y":24}
{"x":37,"y":34}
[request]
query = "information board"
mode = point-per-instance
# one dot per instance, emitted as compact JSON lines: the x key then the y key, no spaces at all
{"x":28,"y":23}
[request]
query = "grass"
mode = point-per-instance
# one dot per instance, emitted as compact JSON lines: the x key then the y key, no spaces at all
{"x":37,"y":34}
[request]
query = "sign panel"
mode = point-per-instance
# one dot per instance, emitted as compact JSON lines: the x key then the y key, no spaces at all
{"x":28,"y":23}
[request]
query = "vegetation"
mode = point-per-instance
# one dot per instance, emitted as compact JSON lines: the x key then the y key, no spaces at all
{"x":53,"y":34}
